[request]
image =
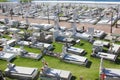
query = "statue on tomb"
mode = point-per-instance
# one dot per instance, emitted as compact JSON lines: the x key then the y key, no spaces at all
{"x":42,"y":36}
{"x":10,"y":65}
{"x":33,"y":40}
{"x":111,"y":46}
{"x":45,"y":66}
{"x":64,"y":48}
{"x":6,"y":46}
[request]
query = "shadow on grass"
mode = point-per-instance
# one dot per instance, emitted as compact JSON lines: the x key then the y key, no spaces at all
{"x":117,"y":61}
{"x":73,"y":78}
{"x":13,"y":59}
{"x":105,"y":50}
{"x":89,"y":64}
{"x":103,"y":37}
{"x":40,"y":58}
{"x":53,"y":45}
{"x":84,"y":54}
{"x":52,"y":49}
{"x":81,"y":44}
{"x":97,"y":79}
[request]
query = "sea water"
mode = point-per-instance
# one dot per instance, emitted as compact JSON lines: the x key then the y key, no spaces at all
{"x":74,"y":0}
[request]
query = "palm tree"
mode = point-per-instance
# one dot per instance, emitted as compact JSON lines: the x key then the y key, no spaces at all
{"x":11,"y":13}
{"x":48,"y":14}
{"x":111,"y":22}
{"x":3,"y":10}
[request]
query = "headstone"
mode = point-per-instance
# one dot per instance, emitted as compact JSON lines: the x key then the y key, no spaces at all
{"x":42,"y":36}
{"x":33,"y":40}
{"x":91,"y":31}
{"x":64,"y":49}
{"x":6,"y":46}
{"x":111,"y":47}
{"x":101,"y":65}
{"x":6,"y":20}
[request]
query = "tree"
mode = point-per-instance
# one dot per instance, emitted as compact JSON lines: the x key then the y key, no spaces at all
{"x":48,"y":14}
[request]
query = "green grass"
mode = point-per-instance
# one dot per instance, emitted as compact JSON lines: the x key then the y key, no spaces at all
{"x":58,"y":47}
{"x":5,"y":36}
{"x":91,"y":73}
{"x":29,"y":49}
{"x":61,"y":14}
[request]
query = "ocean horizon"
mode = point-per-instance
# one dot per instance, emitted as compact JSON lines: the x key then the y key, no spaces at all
{"x":73,"y":0}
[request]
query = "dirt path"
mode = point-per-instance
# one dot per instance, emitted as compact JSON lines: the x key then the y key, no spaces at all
{"x":103,"y":27}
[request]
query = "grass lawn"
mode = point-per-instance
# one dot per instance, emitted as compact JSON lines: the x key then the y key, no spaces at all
{"x":91,"y":73}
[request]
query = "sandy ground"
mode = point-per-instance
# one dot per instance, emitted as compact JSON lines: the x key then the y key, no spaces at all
{"x":103,"y":27}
